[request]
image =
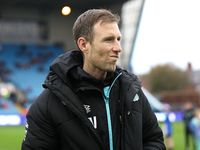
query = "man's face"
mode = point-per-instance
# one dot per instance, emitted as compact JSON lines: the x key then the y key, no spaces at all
{"x":105,"y":48}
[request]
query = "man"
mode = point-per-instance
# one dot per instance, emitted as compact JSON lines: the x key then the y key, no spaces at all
{"x":89,"y":103}
{"x":168,"y":128}
{"x":188,"y":114}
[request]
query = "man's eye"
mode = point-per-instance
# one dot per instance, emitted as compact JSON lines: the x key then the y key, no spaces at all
{"x":109,"y":39}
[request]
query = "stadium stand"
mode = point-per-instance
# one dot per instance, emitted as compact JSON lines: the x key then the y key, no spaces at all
{"x":25,"y":66}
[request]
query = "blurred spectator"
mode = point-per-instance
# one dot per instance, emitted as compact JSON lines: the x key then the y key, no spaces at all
{"x":13,"y":97}
{"x":167,"y":128}
{"x":188,"y":115}
{"x":22,"y":65}
{"x":4,"y":71}
{"x":35,"y":60}
{"x":23,"y":52}
{"x":41,"y":68}
{"x":195,"y":128}
{"x":0,"y":47}
{"x":1,"y":105}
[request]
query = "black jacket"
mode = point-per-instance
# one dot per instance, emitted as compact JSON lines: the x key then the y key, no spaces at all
{"x":59,"y":118}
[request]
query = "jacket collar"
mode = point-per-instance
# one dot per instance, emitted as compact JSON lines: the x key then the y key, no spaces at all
{"x":65,"y":62}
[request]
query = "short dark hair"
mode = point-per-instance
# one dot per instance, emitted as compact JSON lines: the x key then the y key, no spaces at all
{"x":83,"y":26}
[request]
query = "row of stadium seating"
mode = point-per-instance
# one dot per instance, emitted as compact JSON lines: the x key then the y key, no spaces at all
{"x":26,"y":66}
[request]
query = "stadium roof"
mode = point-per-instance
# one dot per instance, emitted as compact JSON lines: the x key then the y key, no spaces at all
{"x":52,"y":4}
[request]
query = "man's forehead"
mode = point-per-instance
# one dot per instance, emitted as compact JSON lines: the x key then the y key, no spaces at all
{"x":100,"y":22}
{"x":108,"y":28}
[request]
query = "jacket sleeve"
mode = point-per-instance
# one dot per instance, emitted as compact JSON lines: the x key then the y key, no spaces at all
{"x":152,"y":133}
{"x":40,"y":132}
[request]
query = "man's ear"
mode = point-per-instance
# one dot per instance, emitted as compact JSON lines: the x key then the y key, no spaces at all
{"x":82,"y":43}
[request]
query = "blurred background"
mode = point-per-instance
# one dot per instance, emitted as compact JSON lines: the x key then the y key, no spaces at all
{"x":159,"y":44}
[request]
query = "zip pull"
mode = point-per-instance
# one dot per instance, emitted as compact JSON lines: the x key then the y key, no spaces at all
{"x":106,"y":93}
{"x":107,"y":88}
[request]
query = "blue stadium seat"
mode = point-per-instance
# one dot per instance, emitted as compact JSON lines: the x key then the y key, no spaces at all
{"x":30,"y":65}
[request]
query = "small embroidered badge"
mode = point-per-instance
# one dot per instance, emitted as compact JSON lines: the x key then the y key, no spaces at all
{"x":136,"y":98}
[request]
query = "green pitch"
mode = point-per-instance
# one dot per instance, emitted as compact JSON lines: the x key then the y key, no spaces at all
{"x":179,"y":136}
{"x":11,"y":137}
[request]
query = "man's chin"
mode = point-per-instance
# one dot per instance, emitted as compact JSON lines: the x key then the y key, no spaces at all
{"x":113,"y":68}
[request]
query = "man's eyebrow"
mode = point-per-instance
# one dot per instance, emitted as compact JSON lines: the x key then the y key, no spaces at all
{"x":112,"y":35}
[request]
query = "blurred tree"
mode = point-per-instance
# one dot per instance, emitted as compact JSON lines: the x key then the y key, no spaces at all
{"x":166,"y":78}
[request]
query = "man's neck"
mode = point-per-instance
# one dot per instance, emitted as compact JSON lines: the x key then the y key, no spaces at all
{"x":96,"y":73}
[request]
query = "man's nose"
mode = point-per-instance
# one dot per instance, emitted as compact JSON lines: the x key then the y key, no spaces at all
{"x":117,"y":46}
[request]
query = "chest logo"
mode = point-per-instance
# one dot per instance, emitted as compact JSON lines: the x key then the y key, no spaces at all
{"x":87,"y":108}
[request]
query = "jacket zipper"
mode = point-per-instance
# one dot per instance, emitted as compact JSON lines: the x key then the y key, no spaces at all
{"x":106,"y":99}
